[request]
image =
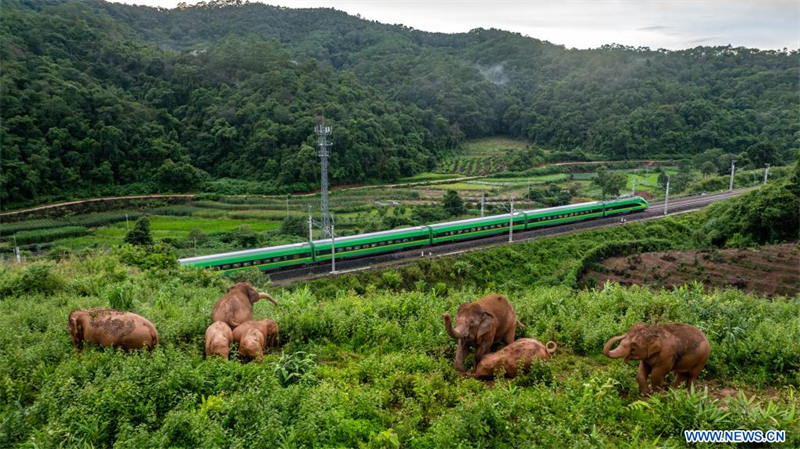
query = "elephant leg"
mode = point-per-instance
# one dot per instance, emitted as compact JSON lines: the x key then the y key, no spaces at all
{"x":680,"y":377}
{"x":483,"y":348}
{"x":461,"y":353}
{"x":509,"y":336}
{"x":692,"y":377}
{"x":641,"y":378}
{"x":657,"y":378}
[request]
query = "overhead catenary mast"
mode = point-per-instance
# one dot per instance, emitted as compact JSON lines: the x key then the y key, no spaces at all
{"x":324,"y":153}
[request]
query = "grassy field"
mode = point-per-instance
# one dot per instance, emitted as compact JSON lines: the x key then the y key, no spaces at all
{"x":374,"y":369}
{"x":425,"y":177}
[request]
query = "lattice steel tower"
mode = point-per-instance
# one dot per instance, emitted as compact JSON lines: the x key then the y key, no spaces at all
{"x":324,"y":153}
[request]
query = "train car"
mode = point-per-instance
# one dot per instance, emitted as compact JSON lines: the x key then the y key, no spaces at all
{"x":265,"y":259}
{"x":473,"y":228}
{"x":372,"y":243}
{"x":551,"y":216}
{"x":625,"y":206}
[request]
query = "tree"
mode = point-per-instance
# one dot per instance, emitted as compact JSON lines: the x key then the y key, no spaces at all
{"x":708,"y":168}
{"x":762,"y":153}
{"x":610,"y":182}
{"x":294,"y":226}
{"x":453,"y":204}
{"x":140,"y":234}
{"x":197,"y":236}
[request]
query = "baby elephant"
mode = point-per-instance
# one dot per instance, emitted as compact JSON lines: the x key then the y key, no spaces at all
{"x":251,"y":345}
{"x":663,"y":348}
{"x":218,"y":340}
{"x":108,"y":327}
{"x":268,"y":328}
{"x":510,"y":359}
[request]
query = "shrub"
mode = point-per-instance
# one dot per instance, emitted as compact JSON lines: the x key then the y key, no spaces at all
{"x":140,"y":234}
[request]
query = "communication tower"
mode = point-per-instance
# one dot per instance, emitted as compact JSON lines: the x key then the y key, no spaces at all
{"x":324,"y":153}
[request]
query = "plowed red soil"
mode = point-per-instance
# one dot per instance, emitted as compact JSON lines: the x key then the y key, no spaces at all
{"x":769,"y":270}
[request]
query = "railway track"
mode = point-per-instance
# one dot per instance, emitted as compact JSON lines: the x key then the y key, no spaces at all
{"x":656,"y":211}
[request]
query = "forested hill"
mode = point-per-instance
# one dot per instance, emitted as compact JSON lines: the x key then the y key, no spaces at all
{"x":107,"y":98}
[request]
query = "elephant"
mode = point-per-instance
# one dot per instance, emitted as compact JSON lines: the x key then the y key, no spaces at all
{"x":517,"y":355}
{"x":661,"y":349}
{"x":251,"y":345}
{"x":236,"y":306}
{"x":481,"y":324}
{"x":267,"y":327}
{"x":218,"y":339}
{"x":108,"y":327}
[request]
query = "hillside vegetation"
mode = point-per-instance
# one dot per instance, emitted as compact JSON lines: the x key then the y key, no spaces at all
{"x":104,"y":98}
{"x":372,"y":369}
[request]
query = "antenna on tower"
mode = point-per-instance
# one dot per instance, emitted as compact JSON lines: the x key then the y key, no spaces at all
{"x":324,"y":153}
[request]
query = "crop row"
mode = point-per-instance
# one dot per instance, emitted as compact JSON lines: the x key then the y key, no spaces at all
{"x":88,"y":221}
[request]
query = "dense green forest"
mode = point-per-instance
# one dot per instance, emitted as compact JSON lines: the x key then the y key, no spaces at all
{"x":101,"y":98}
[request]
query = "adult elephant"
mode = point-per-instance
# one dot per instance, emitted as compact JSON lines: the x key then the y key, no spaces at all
{"x":108,"y":327}
{"x":661,"y":349}
{"x":236,"y":306}
{"x":480,"y":325}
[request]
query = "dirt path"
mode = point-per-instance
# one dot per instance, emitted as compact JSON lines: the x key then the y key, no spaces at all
{"x":769,"y":270}
{"x":92,"y":200}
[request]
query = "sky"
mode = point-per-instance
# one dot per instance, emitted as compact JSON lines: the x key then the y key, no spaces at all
{"x":670,"y":24}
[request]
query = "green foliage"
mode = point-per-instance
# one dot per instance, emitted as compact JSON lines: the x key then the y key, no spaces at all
{"x":294,"y":225}
{"x":383,"y":374}
{"x":37,"y":277}
{"x":120,"y":296}
{"x":453,"y":204}
{"x":140,"y":234}
{"x":294,"y":368}
{"x":242,"y":110}
{"x":768,"y":215}
{"x":550,"y":195}
{"x":156,"y":256}
{"x":610,"y":182}
{"x":48,"y":235}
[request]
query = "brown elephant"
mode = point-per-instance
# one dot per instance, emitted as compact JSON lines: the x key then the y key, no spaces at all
{"x":251,"y":345}
{"x":108,"y":327}
{"x":267,"y":327}
{"x":663,"y":348}
{"x":218,"y":339}
{"x":510,"y":359}
{"x":481,"y":324}
{"x":236,"y":306}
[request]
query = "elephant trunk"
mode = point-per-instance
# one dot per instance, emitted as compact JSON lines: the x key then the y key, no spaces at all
{"x":448,"y":325}
{"x":617,"y":353}
{"x":267,"y":296}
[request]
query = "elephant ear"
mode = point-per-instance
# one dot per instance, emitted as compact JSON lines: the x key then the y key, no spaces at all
{"x":252,"y":293}
{"x":654,"y":347}
{"x":487,"y":324}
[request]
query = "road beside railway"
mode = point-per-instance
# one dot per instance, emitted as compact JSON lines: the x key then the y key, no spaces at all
{"x":656,"y":211}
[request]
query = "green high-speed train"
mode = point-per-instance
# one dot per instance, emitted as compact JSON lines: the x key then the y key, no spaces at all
{"x":297,"y":254}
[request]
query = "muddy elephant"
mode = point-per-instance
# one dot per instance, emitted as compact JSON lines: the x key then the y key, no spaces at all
{"x":251,"y":345}
{"x":218,"y":339}
{"x":480,"y":325}
{"x":108,"y":327}
{"x":268,"y":328}
{"x":236,"y":306}
{"x":661,"y":349}
{"x":510,"y":359}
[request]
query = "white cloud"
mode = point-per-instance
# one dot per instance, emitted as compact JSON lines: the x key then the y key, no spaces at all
{"x":588,"y":24}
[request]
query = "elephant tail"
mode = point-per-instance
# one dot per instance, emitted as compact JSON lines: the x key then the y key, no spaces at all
{"x":551,"y":344}
{"x":520,"y":324}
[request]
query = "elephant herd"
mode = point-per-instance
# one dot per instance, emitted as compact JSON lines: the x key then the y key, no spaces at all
{"x":231,"y":322}
{"x":660,"y":349}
